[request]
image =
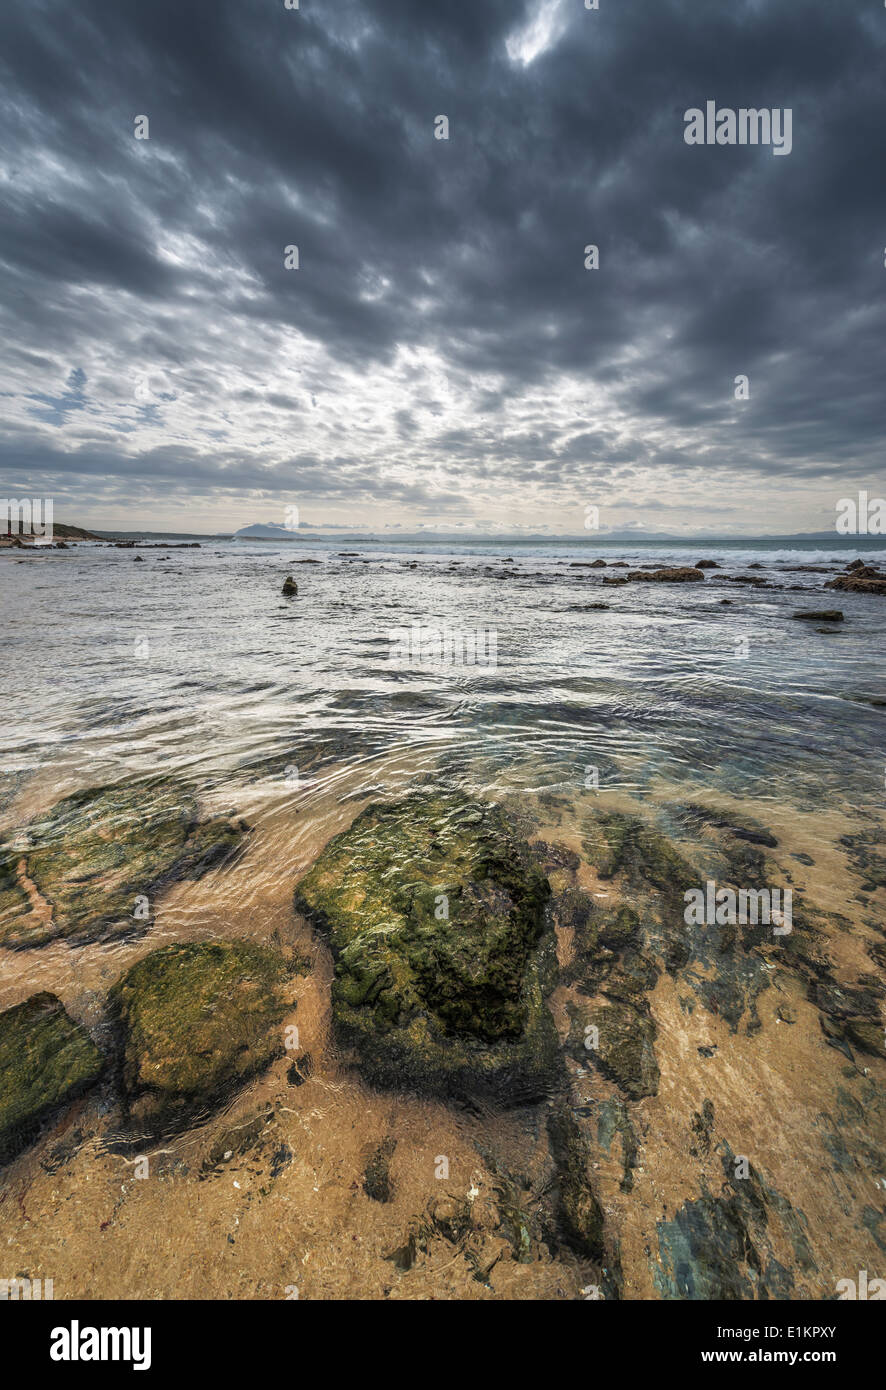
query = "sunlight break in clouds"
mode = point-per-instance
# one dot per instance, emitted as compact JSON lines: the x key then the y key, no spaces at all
{"x":541,"y":33}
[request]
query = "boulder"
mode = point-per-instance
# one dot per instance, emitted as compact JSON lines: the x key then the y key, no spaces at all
{"x":46,"y":1060}
{"x":196,"y":1021}
{"x":435,"y":914}
{"x":290,"y":588}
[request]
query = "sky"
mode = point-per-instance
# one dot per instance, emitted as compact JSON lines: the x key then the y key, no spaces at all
{"x":441,"y":357}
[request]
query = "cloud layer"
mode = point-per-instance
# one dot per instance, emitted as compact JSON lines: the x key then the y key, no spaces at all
{"x":441,"y":352}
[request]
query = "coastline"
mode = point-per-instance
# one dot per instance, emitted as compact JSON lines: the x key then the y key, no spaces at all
{"x":727,"y":1048}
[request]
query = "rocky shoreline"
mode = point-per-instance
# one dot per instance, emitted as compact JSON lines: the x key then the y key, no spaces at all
{"x":481,"y":958}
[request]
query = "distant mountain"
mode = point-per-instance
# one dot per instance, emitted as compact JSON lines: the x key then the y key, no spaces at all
{"x":261,"y":531}
{"x":266,"y":531}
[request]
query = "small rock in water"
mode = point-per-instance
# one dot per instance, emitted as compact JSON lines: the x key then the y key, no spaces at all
{"x":290,"y":588}
{"x":679,"y":574}
{"x":377,"y":1174}
{"x":820,"y":615}
{"x":300,"y":1070}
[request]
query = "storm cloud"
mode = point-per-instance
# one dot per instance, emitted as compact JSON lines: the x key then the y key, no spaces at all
{"x":441,"y":351}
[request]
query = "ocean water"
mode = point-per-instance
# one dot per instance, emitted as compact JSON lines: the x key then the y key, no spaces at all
{"x":194,"y":662}
{"x":294,"y":713}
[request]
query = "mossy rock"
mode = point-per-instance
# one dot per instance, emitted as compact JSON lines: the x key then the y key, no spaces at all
{"x":78,"y":871}
{"x":632,"y":980}
{"x":435,"y":914}
{"x":197,"y":1021}
{"x":575,"y":910}
{"x":46,"y":1060}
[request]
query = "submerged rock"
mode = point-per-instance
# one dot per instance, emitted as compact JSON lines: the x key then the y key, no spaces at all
{"x":741,"y":827}
{"x":580,"y":1213}
{"x":196,"y":1021}
{"x":301,"y":1070}
{"x":90,"y":866}
{"x":46,"y":1060}
{"x":723,"y":1246}
{"x":625,"y":1051}
{"x":377,"y":1173}
{"x":851,"y":1015}
{"x":435,"y":914}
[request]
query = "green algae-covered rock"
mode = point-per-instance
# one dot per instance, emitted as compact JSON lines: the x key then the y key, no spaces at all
{"x":197,"y":1021}
{"x":45,"y":1060}
{"x":435,"y":913}
{"x":88,"y":868}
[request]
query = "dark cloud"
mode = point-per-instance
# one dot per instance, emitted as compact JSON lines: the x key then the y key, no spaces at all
{"x":441,"y":343}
